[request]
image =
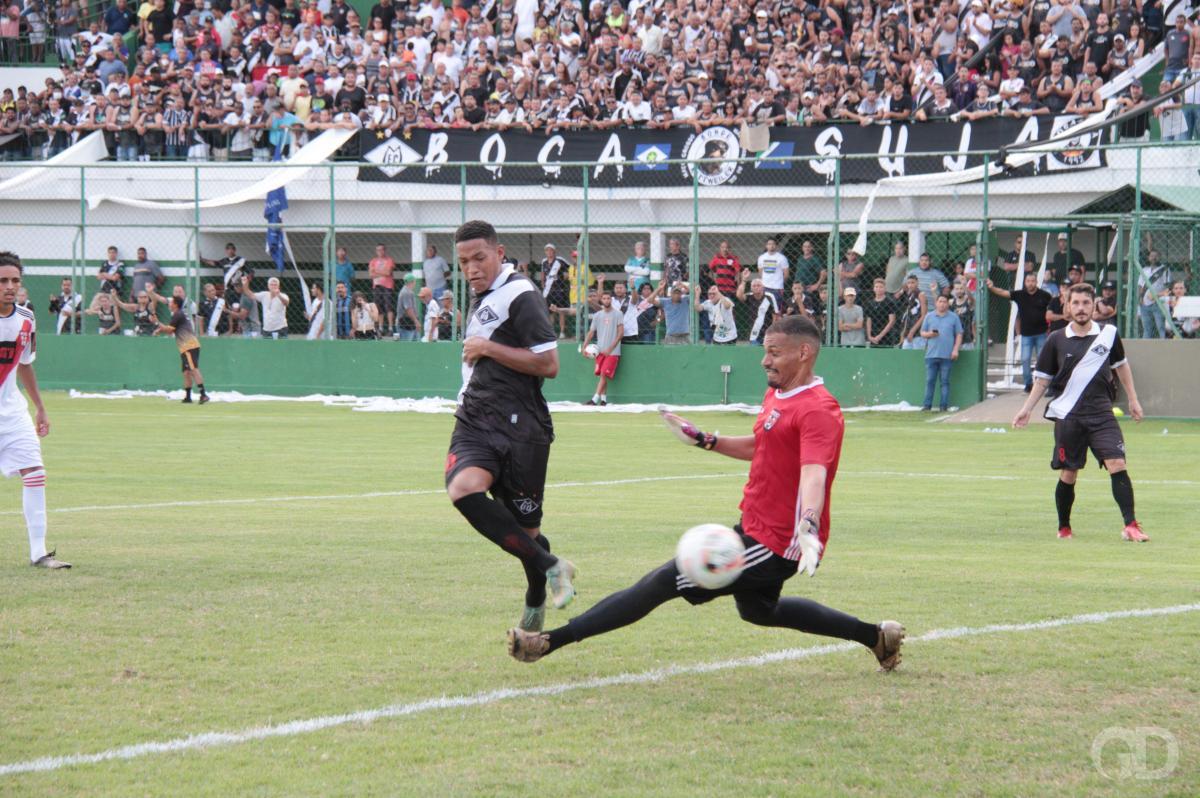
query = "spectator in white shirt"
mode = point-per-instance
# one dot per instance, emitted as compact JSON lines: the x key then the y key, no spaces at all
{"x":273,"y":303}
{"x":773,"y":270}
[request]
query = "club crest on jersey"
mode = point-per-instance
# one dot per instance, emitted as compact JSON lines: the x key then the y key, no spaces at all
{"x":526,"y":505}
{"x":1100,"y":349}
{"x":771,"y":419}
{"x":24,"y":338}
{"x":486,"y":315}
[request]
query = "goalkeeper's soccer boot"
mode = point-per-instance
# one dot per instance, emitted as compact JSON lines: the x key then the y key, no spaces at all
{"x":533,"y":619}
{"x":1134,"y":534}
{"x":527,"y":646}
{"x":558,"y":580}
{"x":1064,"y":532}
{"x":203,"y":398}
{"x":48,"y":561}
{"x":887,"y":650}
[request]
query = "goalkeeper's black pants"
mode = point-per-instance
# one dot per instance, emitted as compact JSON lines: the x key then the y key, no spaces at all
{"x":755,"y":592}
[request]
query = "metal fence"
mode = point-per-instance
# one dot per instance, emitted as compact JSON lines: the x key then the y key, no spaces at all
{"x":1132,"y":222}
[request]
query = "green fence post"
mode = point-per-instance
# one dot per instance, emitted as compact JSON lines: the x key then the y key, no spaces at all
{"x":583,"y":259}
{"x":329,"y":289}
{"x":79,"y":282}
{"x":834,"y":254}
{"x":694,"y":261}
{"x":459,"y":299}
{"x":982,"y":295}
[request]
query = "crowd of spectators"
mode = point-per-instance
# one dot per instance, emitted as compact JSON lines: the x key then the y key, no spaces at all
{"x":884,"y":304}
{"x":229,"y":79}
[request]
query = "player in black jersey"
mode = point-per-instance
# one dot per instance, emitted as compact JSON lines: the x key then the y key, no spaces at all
{"x":1076,"y":368}
{"x":502,"y":431}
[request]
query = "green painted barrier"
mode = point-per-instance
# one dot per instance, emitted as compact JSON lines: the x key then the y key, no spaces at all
{"x":648,"y":374}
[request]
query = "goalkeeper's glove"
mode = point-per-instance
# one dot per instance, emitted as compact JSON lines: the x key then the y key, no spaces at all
{"x":807,"y":543}
{"x":686,"y":432}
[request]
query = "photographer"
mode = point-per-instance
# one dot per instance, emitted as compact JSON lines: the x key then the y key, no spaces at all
{"x":364,"y":318}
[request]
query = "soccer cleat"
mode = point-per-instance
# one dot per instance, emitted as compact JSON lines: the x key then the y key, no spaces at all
{"x":532,"y":619}
{"x":187,"y":400}
{"x":887,"y":650}
{"x":203,"y":398}
{"x":590,"y":403}
{"x":1134,"y":534}
{"x":558,"y":580}
{"x":604,"y":403}
{"x":48,"y":561}
{"x":527,"y":646}
{"x":1064,"y":532}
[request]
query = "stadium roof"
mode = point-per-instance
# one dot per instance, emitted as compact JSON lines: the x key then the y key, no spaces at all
{"x":1154,"y":198}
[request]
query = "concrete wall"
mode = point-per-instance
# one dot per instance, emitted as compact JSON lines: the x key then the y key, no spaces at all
{"x":1167,"y":377}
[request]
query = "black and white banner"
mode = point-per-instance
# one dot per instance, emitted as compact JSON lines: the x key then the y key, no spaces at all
{"x":637,"y":157}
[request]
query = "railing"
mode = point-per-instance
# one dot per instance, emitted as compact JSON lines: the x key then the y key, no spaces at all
{"x":1142,"y":199}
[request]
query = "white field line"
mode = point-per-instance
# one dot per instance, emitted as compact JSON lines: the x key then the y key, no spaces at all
{"x":87,"y":508}
{"x":295,"y":727}
{"x":992,"y":477}
{"x":347,"y":496}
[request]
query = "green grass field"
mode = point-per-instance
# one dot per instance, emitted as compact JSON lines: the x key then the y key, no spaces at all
{"x":203,"y":600}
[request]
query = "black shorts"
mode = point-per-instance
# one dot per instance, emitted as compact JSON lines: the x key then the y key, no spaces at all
{"x":190,"y":359}
{"x":1075,"y":435}
{"x":518,"y":469}
{"x":762,"y":582}
{"x":384,"y":299}
{"x":559,"y":296}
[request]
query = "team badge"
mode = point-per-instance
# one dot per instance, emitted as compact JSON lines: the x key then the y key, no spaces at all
{"x":526,"y":505}
{"x":771,"y":419}
{"x":1100,"y":349}
{"x":486,"y":315}
{"x":719,"y":148}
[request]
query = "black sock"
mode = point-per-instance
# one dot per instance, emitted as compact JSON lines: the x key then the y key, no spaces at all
{"x":808,"y":616}
{"x":187,"y":393}
{"x":493,"y":520}
{"x":1122,"y":488}
{"x":535,"y":593}
{"x":619,"y":609}
{"x":1064,"y":497}
{"x":202,"y":391}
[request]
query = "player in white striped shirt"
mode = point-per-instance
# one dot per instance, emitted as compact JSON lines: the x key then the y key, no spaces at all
{"x":20,"y":450}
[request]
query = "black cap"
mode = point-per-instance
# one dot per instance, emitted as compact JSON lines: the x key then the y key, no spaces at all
{"x":1074,"y":267}
{"x":1109,"y":284}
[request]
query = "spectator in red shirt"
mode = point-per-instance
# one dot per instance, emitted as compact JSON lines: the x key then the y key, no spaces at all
{"x":723,"y":271}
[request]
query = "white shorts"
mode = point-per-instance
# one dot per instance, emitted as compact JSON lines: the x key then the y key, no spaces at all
{"x":19,"y":448}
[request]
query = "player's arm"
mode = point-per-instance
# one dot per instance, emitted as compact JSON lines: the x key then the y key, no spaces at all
{"x":536,"y":364}
{"x":1125,"y":375}
{"x":538,"y":357}
{"x":740,"y":447}
{"x":807,"y":538}
{"x":29,"y":382}
{"x":164,"y":328}
{"x":617,"y":342}
{"x":1043,"y":371}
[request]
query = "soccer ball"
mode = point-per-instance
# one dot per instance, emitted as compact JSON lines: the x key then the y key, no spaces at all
{"x":591,"y":350}
{"x":711,"y":556}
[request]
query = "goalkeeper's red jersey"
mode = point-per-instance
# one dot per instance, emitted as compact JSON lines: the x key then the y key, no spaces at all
{"x":801,"y":427}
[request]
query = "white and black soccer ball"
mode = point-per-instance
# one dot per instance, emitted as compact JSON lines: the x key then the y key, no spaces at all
{"x":711,"y":556}
{"x":591,"y":350}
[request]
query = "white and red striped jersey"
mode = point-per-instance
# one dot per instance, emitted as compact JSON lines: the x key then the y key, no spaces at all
{"x":18,"y":346}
